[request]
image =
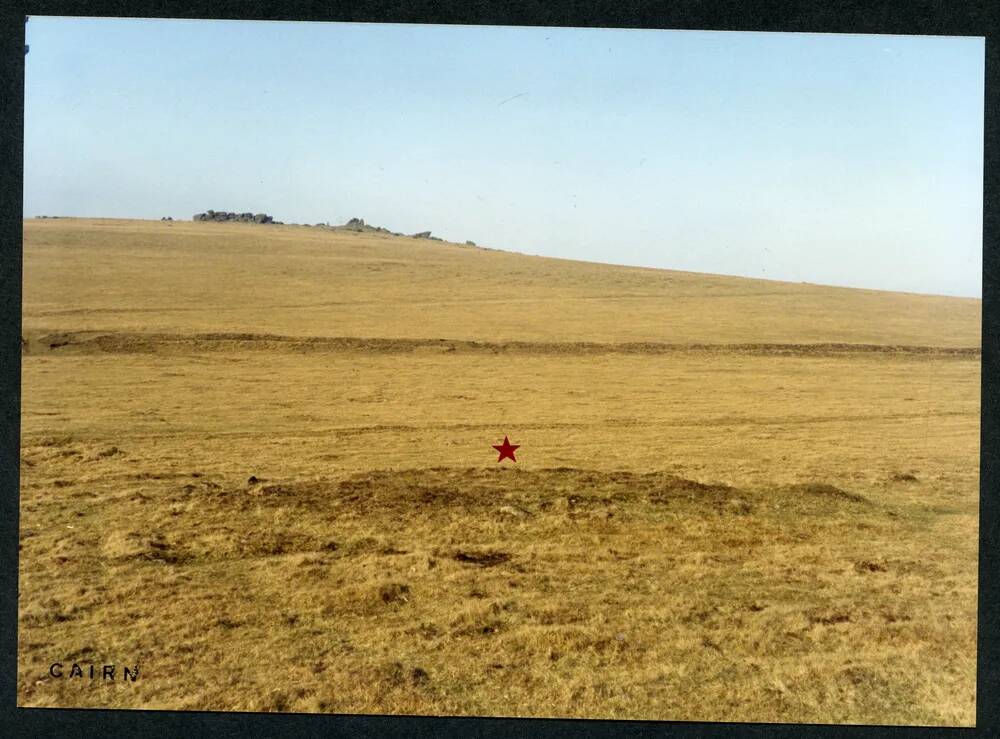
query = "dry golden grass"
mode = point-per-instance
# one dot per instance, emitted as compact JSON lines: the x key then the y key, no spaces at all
{"x":751,"y":533}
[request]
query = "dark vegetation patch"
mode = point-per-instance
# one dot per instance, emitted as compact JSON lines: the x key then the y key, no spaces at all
{"x":394,"y":592}
{"x":389,"y":550}
{"x":829,"y":618}
{"x":482,"y":559}
{"x":823,"y":490}
{"x":48,"y":441}
{"x":155,"y":343}
{"x":271,"y":543}
{"x":676,"y":491}
{"x":419,"y":677}
{"x":157,"y":475}
{"x":397,"y":675}
{"x":868,"y":566}
{"x":892,"y":617}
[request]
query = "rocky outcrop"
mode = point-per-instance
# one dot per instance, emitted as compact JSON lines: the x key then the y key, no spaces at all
{"x":358,"y":225}
{"x":222,"y":216}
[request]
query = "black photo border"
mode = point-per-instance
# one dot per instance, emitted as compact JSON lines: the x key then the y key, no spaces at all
{"x":916,"y":17}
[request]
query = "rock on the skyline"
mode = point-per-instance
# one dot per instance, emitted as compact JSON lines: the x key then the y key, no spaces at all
{"x":220,"y":216}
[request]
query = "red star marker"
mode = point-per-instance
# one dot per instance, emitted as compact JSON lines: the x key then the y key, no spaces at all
{"x":506,"y":450}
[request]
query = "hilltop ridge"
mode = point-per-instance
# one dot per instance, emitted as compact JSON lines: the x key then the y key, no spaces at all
{"x":353,"y":224}
{"x":297,"y":281}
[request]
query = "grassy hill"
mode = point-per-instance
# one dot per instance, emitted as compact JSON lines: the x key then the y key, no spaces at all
{"x":734,"y":499}
{"x":299,"y":281}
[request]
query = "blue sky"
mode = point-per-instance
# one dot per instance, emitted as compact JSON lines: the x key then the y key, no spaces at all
{"x":836,"y":159}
